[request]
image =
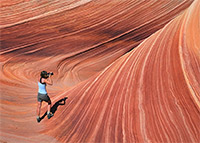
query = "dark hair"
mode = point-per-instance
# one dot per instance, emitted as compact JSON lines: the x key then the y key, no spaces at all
{"x":44,"y":74}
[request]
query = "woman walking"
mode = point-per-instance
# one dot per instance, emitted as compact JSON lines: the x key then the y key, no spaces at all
{"x":45,"y":78}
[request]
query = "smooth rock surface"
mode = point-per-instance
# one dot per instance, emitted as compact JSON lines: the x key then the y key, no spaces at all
{"x":130,"y":70}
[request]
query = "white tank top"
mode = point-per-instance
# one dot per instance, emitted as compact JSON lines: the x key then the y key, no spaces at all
{"x":42,"y":88}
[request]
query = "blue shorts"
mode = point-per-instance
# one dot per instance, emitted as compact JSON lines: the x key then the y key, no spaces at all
{"x":43,"y":97}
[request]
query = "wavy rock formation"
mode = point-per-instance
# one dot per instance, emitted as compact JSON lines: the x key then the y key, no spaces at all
{"x":81,"y":42}
{"x":129,"y":68}
{"x":152,"y":94}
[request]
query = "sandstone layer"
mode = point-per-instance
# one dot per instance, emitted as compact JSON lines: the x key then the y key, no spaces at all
{"x":130,"y":70}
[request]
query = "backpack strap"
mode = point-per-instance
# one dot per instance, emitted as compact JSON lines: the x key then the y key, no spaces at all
{"x":41,"y":81}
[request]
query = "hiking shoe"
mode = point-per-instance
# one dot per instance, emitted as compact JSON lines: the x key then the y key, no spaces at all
{"x":49,"y":115}
{"x":38,"y":119}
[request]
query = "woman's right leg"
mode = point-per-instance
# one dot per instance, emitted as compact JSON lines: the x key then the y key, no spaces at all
{"x":49,"y":114}
{"x":49,"y":106}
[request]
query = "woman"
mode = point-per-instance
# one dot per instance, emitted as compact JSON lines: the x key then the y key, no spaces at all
{"x":42,"y":93}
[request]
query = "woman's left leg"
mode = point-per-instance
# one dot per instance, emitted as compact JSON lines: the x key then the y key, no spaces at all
{"x":38,"y":108}
{"x":38,"y":111}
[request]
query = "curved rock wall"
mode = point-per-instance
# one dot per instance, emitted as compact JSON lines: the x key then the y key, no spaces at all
{"x":130,"y":70}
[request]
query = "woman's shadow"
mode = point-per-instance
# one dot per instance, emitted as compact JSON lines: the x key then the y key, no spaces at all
{"x":55,"y":106}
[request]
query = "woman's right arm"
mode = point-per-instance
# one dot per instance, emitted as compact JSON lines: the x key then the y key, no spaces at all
{"x":49,"y":81}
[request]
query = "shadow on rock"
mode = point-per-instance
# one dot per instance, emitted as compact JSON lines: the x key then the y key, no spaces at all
{"x":55,"y":106}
